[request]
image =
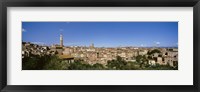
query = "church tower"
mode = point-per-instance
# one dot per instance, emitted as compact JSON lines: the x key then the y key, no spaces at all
{"x":61,"y":40}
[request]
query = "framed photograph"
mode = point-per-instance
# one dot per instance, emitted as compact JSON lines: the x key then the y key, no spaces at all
{"x":99,"y":45}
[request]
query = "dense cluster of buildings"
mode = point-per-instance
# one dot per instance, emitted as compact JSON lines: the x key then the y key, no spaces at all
{"x":92,"y":54}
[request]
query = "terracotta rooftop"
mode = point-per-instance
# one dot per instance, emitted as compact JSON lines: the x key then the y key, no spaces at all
{"x":66,"y":57}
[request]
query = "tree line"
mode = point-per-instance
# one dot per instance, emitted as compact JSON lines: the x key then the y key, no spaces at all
{"x":47,"y":62}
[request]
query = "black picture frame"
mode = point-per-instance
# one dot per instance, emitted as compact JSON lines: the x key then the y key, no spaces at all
{"x":99,"y":3}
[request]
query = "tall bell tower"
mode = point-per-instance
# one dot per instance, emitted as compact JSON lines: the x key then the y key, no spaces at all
{"x":61,"y":40}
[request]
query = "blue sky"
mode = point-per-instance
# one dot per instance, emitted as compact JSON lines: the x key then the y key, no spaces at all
{"x":102,"y":34}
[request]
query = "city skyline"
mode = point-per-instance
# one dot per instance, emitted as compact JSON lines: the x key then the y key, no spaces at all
{"x":102,"y":34}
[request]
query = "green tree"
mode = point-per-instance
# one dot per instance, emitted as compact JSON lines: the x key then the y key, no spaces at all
{"x":153,"y":51}
{"x":118,"y":64}
{"x":45,"y":62}
{"x":142,"y":60}
{"x":98,"y":66}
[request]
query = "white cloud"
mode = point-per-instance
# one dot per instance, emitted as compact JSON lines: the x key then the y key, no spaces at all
{"x":39,"y":43}
{"x":61,"y":30}
{"x":23,"y":30}
{"x":75,"y":43}
{"x":157,"y":43}
{"x":143,"y":45}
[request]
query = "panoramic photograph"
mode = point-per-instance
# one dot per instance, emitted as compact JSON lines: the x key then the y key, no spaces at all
{"x":99,"y":45}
